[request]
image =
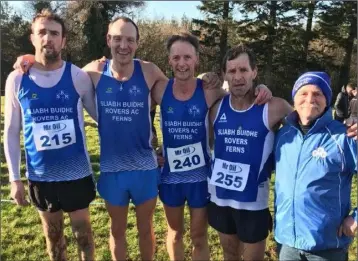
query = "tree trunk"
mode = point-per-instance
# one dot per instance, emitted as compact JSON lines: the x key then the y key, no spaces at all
{"x":224,"y":30}
{"x":271,"y":35}
{"x":345,"y":68}
{"x":308,"y":33}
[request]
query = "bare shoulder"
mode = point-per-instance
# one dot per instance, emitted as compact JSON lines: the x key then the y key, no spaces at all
{"x":213,"y":95}
{"x":149,"y":67}
{"x":81,"y":80}
{"x":277,"y":103}
{"x":94,"y":67}
{"x":77,"y":72}
{"x":278,"y":109}
{"x":152,"y":73}
{"x":217,"y":103}
{"x":94,"y":70}
{"x":214,"y":109}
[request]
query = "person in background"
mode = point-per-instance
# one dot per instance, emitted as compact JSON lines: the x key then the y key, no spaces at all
{"x":353,"y":110}
{"x":342,"y":103}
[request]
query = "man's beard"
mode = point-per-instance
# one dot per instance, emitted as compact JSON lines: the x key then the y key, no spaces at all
{"x":52,"y":57}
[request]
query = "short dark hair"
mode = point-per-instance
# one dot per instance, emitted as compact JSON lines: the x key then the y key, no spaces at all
{"x":235,"y":52}
{"x":51,"y":16}
{"x":351,"y":85}
{"x":183,"y":37}
{"x":126,"y":20}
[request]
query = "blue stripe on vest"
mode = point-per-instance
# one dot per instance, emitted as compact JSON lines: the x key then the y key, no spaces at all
{"x":184,"y":123}
{"x":124,"y":122}
{"x":53,"y":140}
{"x":240,"y":138}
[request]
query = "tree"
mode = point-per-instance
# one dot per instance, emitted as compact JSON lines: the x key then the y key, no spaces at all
{"x":95,"y":18}
{"x":213,"y":30}
{"x":33,"y":7}
{"x":264,"y":26}
{"x":338,"y":22}
{"x":305,"y":10}
{"x":153,"y":46}
{"x":14,"y":39}
{"x":186,"y":23}
{"x":88,"y":25}
{"x":37,"y":6}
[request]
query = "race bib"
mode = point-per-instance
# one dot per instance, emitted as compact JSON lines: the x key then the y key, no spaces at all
{"x":54,"y":134}
{"x":186,"y":158}
{"x":230,"y":175}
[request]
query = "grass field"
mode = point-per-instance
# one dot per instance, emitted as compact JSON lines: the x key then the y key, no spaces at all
{"x":22,"y":238}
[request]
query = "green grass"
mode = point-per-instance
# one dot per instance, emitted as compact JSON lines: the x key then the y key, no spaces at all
{"x":21,"y":232}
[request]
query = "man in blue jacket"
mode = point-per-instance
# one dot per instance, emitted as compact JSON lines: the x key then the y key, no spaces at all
{"x":315,"y":162}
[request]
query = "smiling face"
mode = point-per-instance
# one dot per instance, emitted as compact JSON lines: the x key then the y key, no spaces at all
{"x":47,"y":39}
{"x":309,"y":103}
{"x":183,"y":59}
{"x":123,"y":42}
{"x":239,"y":75}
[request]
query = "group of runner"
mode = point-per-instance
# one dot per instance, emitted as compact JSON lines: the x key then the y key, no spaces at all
{"x":228,"y":189}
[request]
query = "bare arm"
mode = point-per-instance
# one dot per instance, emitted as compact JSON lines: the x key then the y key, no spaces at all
{"x":263,"y":94}
{"x":278,"y":109}
{"x":84,"y":87}
{"x":212,"y":115}
{"x":156,"y":80}
{"x":94,"y":70}
{"x":211,"y":80}
{"x":158,"y":91}
{"x":12,"y":126}
{"x":213,"y":95}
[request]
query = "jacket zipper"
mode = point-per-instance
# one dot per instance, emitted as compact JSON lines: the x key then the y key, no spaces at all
{"x":294,"y":190}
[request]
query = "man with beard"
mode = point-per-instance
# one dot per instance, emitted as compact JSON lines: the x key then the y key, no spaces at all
{"x":47,"y":102}
{"x":128,"y":163}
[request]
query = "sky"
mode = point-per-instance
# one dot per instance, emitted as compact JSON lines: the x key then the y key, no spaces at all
{"x":157,"y":9}
{"x":169,"y":9}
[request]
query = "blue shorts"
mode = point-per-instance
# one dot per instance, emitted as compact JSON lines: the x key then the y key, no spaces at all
{"x":175,"y":195}
{"x":118,"y":188}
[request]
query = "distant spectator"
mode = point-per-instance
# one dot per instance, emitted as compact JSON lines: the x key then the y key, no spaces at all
{"x":353,"y":110}
{"x":342,"y":103}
